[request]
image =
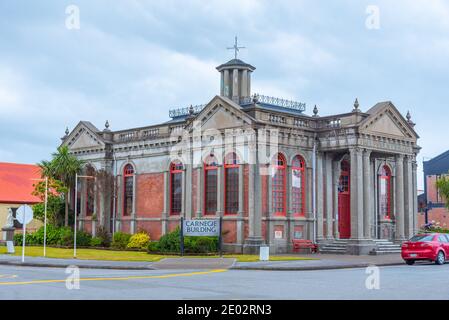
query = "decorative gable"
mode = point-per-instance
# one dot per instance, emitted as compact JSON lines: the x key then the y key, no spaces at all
{"x":222,"y":114}
{"x":387,"y":121}
{"x":83,"y":138}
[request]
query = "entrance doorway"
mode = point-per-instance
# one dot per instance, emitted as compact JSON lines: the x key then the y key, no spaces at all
{"x":344,"y":203}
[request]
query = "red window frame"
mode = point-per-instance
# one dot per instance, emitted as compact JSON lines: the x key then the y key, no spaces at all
{"x":90,"y":197}
{"x":385,"y":204}
{"x":299,"y":194}
{"x":344,"y":183}
{"x":210,"y":185}
{"x":231,"y":184}
{"x":278,"y":186}
{"x":176,"y":170}
{"x":128,"y":175}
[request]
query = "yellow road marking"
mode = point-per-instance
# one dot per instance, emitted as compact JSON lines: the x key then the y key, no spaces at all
{"x":119,"y":278}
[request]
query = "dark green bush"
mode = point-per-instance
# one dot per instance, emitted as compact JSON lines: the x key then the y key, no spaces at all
{"x":120,"y":240}
{"x":55,"y":236}
{"x":104,"y":235}
{"x":153,"y":246}
{"x":171,"y":243}
{"x":96,"y":242}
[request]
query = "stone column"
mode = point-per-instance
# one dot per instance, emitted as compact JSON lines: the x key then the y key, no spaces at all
{"x":235,"y":85}
{"x":399,"y":192}
{"x":415,"y":196}
{"x":367,"y":195}
{"x":408,"y":199}
{"x":134,"y":214}
{"x":329,"y":198}
{"x":255,"y":239}
{"x":336,"y":181}
{"x":319,"y":196}
{"x":288,"y":188}
{"x":199,"y":191}
{"x":187,"y":191}
{"x":356,"y":193}
{"x":244,"y":89}
{"x":227,"y":88}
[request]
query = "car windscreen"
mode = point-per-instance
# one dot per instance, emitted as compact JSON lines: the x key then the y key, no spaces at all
{"x":422,"y":238}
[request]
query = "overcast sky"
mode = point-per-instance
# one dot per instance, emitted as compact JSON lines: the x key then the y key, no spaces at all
{"x":132,"y":61}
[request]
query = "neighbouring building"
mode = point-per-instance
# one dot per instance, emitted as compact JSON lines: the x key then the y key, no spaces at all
{"x":16,"y":187}
{"x":344,"y":180}
{"x":433,"y":170}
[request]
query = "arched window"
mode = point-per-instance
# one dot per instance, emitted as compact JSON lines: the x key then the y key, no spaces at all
{"x":231,"y":184}
{"x":176,"y":169}
{"x":343,"y":186}
{"x":90,"y":191}
{"x":210,"y":185}
{"x":278,"y":185}
{"x":128,"y":190}
{"x":385,"y":192}
{"x":298,"y":186}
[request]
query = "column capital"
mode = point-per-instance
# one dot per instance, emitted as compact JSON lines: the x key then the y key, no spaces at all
{"x":367,"y":153}
{"x":399,"y":157}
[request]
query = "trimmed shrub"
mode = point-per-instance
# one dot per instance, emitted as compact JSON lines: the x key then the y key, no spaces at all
{"x":139,"y":241}
{"x":96,"y":242}
{"x":120,"y":240}
{"x":104,"y":236}
{"x":153,"y":246}
{"x":171,"y":243}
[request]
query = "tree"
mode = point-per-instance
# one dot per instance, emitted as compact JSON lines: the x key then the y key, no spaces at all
{"x":55,"y":202}
{"x":63,"y":167}
{"x":443,"y":187}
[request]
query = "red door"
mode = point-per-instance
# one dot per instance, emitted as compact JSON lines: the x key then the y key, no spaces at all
{"x":344,"y":203}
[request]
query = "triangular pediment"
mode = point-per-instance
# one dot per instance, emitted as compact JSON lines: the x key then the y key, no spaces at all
{"x":386,"y":120}
{"x":222,"y":113}
{"x":83,"y":137}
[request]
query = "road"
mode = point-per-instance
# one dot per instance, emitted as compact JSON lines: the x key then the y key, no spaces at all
{"x":423,"y":281}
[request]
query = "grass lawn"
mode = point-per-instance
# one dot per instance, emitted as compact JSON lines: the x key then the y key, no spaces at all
{"x":94,"y":254}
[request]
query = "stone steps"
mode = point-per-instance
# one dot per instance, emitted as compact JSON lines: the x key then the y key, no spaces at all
{"x":383,"y":246}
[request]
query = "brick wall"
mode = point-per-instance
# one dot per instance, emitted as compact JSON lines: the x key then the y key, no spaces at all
{"x":150,"y":195}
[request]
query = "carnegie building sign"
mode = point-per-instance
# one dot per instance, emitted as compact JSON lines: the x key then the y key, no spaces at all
{"x":201,"y":228}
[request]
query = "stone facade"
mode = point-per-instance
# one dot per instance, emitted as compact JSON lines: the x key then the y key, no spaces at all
{"x":289,"y":171}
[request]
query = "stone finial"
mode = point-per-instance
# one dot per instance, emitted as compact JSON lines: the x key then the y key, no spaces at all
{"x":409,"y":119}
{"x":356,"y":106}
{"x":191,"y":110}
{"x":315,"y":111}
{"x":66,"y":134}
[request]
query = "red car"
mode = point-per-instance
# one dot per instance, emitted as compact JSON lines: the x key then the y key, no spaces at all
{"x":426,"y":246}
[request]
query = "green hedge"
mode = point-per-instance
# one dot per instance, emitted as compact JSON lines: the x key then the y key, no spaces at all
{"x":120,"y":240}
{"x":171,"y":243}
{"x":55,"y":236}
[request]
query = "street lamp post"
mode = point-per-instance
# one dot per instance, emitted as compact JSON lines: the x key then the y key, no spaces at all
{"x":76,"y":209}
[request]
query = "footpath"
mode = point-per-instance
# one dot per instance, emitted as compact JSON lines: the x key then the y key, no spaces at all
{"x":320,"y":262}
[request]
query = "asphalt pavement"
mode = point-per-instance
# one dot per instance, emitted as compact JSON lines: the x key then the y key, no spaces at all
{"x":422,"y":281}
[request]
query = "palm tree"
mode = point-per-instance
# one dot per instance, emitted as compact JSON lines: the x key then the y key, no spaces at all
{"x":63,"y":167}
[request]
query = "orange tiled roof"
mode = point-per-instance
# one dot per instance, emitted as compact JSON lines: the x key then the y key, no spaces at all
{"x":16,"y":185}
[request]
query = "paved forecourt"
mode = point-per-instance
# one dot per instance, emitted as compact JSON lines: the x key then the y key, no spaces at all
{"x":422,"y":281}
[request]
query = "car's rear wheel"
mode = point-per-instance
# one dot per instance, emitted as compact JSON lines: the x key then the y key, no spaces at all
{"x":440,"y":258}
{"x":410,"y":262}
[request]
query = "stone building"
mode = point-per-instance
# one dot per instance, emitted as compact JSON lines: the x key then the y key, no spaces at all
{"x":272,"y":172}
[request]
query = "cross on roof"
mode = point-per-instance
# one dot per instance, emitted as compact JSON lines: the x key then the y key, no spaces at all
{"x":236,"y":47}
